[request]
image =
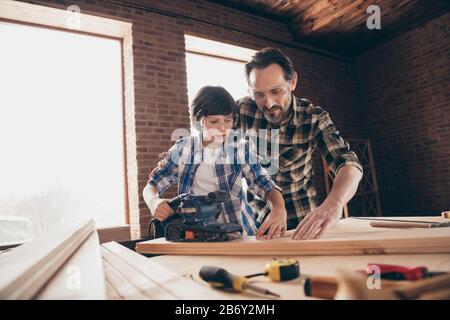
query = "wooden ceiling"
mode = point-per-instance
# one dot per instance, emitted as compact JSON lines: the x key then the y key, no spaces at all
{"x":339,"y":26}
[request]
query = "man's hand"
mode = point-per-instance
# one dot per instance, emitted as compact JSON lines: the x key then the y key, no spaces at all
{"x":275,"y":223}
{"x":163,"y":210}
{"x":317,"y":222}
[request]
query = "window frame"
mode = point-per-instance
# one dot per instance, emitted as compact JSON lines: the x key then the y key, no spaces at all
{"x":121,"y":30}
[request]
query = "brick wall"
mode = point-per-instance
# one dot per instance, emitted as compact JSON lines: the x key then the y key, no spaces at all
{"x":159,"y":73}
{"x":404,"y":87}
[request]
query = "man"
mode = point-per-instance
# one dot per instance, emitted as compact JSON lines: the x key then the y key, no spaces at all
{"x":302,"y":127}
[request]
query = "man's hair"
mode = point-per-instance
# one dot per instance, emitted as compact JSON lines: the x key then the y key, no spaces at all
{"x":267,"y":56}
{"x":211,"y":101}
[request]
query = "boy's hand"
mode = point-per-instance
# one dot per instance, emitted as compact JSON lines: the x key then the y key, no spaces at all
{"x":275,"y":223}
{"x":163,"y":210}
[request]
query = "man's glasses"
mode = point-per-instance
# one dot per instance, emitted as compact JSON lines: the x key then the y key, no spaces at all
{"x":276,"y":93}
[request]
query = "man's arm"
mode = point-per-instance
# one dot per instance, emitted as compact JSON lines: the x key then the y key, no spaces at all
{"x":317,"y":222}
{"x":347,"y":172}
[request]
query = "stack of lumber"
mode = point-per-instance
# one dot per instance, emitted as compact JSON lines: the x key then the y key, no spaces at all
{"x":130,"y":275}
{"x":347,"y":237}
{"x":71,"y":264}
{"x":64,"y":264}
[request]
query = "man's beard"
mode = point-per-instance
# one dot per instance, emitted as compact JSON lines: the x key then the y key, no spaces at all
{"x":275,"y":119}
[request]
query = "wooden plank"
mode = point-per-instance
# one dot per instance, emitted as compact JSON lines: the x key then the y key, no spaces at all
{"x":111,"y":292}
{"x":127,"y":269}
{"x":166,"y":280}
{"x":118,"y":234}
{"x":81,"y":277}
{"x":27,"y":268}
{"x":347,"y":237}
{"x":121,"y":285}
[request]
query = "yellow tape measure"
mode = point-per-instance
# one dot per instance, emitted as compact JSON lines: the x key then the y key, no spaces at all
{"x":282,"y":270}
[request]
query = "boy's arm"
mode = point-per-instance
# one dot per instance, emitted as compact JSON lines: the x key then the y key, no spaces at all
{"x":275,"y":223}
{"x":161,"y":178}
{"x":158,"y":207}
{"x":262,"y":184}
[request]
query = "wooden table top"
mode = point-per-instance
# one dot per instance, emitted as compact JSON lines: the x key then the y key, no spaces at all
{"x":324,"y":265}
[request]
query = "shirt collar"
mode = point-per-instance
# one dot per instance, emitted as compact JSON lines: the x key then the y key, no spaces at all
{"x":295,"y":115}
{"x":199,"y":148}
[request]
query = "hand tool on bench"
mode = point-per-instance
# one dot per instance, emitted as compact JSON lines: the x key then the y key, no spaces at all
{"x":221,"y":278}
{"x":280,"y":270}
{"x":397,"y":223}
{"x":353,"y":286}
{"x":325,"y":287}
{"x":393,"y":272}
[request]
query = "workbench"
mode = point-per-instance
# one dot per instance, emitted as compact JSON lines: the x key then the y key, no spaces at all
{"x":324,"y":265}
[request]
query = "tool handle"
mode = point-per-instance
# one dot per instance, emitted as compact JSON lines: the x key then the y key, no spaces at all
{"x":219,"y":277}
{"x":442,"y":294}
{"x":394,"y":272}
{"x":324,"y":287}
{"x":402,"y":225}
{"x":174,"y":203}
{"x":417,"y":289}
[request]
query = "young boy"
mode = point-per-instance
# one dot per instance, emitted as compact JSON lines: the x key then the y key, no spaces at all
{"x":210,"y":162}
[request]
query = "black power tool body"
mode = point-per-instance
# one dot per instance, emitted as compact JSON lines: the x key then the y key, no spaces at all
{"x":196,"y":220}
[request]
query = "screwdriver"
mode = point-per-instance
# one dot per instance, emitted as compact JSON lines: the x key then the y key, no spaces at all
{"x":393,"y":272}
{"x":221,"y":278}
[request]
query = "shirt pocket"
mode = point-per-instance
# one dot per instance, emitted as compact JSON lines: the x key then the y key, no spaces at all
{"x":291,"y":154}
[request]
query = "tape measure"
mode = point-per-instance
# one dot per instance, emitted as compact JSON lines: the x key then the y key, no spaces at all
{"x":282,"y":270}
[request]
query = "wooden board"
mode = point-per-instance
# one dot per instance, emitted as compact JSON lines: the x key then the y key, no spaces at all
{"x":130,"y":275}
{"x":347,"y":237}
{"x":81,"y":277}
{"x":118,"y":282}
{"x":26,"y":269}
{"x":117,"y":234}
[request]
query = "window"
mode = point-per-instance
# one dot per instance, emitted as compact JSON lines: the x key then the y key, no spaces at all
{"x":215,"y":63}
{"x":61,"y":130}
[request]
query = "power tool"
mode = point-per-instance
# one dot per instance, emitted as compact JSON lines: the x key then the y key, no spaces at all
{"x":195,"y":220}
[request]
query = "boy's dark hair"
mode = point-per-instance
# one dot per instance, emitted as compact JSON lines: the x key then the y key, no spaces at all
{"x":267,"y":56}
{"x":212,"y":101}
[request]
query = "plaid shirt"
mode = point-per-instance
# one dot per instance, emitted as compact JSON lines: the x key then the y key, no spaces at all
{"x":308,"y":127}
{"x":183,"y":159}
